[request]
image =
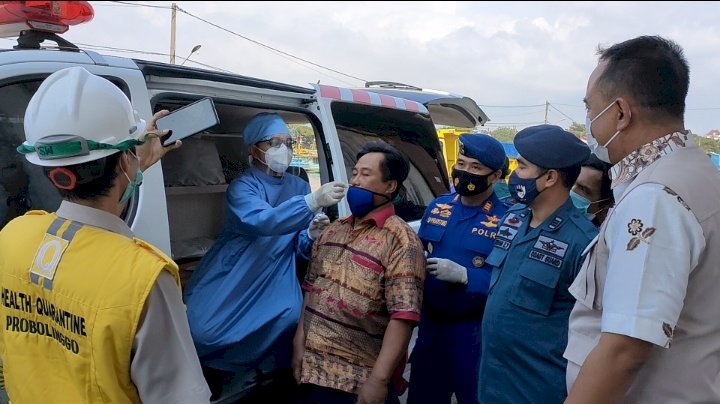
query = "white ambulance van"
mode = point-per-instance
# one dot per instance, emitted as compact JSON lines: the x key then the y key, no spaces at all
{"x":180,"y":206}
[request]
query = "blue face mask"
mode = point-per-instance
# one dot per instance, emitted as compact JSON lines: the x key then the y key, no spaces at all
{"x":361,"y":201}
{"x":501,"y":190}
{"x":580,"y":202}
{"x":132,"y":185}
{"x":523,"y":190}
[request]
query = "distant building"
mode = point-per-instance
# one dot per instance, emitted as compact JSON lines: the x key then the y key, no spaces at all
{"x":713,"y":134}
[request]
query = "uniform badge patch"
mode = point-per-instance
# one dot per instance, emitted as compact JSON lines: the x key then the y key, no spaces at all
{"x":478,"y":261}
{"x":504,"y":244}
{"x":47,"y":258}
{"x":512,"y":220}
{"x":487,"y":207}
{"x":555,"y":223}
{"x":507,"y":232}
{"x":552,"y":246}
{"x":547,"y":258}
{"x":491,"y":221}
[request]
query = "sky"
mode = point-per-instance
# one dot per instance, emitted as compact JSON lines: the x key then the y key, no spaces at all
{"x":510,"y":57}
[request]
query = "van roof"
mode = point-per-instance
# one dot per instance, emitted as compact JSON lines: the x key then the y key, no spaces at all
{"x":370,"y":98}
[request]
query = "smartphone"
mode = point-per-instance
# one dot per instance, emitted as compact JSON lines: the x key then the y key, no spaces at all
{"x":189,"y":120}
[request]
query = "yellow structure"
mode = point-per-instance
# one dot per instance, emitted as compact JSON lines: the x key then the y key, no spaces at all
{"x":449,"y":141}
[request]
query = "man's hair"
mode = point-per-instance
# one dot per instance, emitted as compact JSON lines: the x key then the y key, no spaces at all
{"x":604,"y":168}
{"x":505,"y":169}
{"x":94,"y":178}
{"x":393,"y":167}
{"x":569,"y":175}
{"x":652,"y":70}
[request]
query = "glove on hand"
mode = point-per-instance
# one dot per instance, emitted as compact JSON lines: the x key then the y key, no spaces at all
{"x":327,"y":195}
{"x":447,"y":270}
{"x":318,"y":224}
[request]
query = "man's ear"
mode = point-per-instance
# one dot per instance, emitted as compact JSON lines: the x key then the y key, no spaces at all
{"x":624,"y":114}
{"x":124,"y":162}
{"x":494,"y":177}
{"x":552,"y":177}
{"x":255,"y":152}
{"x":391,"y":187}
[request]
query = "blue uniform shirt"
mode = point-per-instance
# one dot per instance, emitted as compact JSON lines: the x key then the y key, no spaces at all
{"x":465,"y":235}
{"x":525,"y":327}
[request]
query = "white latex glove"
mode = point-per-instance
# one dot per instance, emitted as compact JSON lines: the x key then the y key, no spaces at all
{"x":328,"y":194}
{"x":447,"y":270}
{"x":318,"y":224}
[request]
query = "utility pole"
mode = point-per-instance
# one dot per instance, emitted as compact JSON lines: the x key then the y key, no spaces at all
{"x":547,"y":107}
{"x":172,"y":33}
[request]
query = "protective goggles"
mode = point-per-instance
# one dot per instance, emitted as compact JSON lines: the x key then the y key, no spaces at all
{"x":277,"y":142}
{"x":65,"y":146}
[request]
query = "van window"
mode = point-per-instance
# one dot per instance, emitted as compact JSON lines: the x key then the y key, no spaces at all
{"x":416,"y":138}
{"x":24,"y":186}
{"x":197,"y":174}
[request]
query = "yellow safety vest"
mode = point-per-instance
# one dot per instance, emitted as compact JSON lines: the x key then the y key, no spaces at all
{"x":72,"y":297}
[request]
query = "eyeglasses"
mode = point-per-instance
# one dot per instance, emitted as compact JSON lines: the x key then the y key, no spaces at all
{"x":277,"y":142}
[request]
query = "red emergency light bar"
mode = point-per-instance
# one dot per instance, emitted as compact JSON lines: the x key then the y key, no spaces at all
{"x":45,"y":16}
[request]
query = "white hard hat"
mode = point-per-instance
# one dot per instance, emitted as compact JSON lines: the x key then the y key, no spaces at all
{"x":76,"y":117}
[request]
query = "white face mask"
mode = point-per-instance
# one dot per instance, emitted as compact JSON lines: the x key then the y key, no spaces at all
{"x":600,"y":151}
{"x":278,"y":158}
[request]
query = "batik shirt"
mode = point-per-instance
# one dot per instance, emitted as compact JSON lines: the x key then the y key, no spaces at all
{"x":362,"y":275}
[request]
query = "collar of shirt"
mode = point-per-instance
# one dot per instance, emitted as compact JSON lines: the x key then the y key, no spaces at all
{"x":634,"y":163}
{"x":94,"y":217}
{"x":378,"y":217}
{"x":469,"y":211}
{"x":559,"y":217}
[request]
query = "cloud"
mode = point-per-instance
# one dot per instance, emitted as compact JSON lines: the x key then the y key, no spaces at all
{"x":499,"y":53}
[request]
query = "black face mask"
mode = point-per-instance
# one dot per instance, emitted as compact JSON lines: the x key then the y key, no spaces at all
{"x":468,"y":184}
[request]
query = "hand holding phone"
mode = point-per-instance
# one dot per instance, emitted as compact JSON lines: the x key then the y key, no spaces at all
{"x":188,"y":120}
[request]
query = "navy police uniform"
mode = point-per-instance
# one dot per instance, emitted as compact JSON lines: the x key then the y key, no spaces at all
{"x":525,"y":327}
{"x":446,"y":355}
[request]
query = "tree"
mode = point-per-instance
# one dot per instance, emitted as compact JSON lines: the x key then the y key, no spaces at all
{"x":708,"y":145}
{"x":577,"y":129}
{"x":504,"y":134}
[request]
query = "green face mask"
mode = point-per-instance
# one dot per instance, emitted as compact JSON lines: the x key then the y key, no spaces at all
{"x":132,"y":185}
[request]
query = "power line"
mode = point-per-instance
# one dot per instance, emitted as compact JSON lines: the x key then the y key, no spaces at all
{"x":122,"y":50}
{"x":127,"y":3}
{"x":285,"y":55}
{"x":511,"y":106}
{"x":561,"y":113}
{"x":269,"y":47}
{"x":568,"y":105}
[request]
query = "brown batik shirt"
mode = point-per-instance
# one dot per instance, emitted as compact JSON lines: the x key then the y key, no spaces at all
{"x":361,"y":276}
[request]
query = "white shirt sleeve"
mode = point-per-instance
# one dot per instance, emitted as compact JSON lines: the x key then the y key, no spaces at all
{"x":165,"y":367}
{"x":655,"y":242}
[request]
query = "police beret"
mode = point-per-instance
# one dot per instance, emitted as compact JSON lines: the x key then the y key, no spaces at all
{"x":483,"y":148}
{"x":550,"y":146}
{"x":264,"y":126}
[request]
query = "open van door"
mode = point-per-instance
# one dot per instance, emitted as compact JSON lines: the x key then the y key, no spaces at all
{"x":445,"y":108}
{"x":359,"y":116}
